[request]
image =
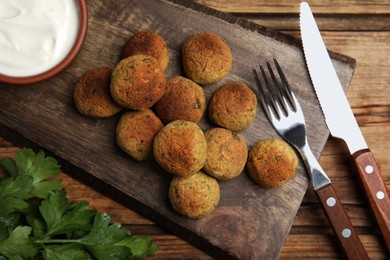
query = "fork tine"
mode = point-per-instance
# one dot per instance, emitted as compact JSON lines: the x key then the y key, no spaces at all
{"x":276,"y":97}
{"x":280,"y":98}
{"x":263,"y":96}
{"x":273,"y":96}
{"x":287,"y":88}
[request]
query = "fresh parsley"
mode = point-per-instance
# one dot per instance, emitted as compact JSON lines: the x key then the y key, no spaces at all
{"x":37,"y":220}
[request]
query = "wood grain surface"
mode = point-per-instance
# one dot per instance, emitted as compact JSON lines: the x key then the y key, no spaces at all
{"x":310,"y":235}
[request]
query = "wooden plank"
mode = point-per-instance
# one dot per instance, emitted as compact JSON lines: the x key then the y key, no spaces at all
{"x":173,"y":248}
{"x":325,"y":22}
{"x":42,"y":115}
{"x":369,"y":86}
{"x":316,"y":246}
{"x":288,"y":7}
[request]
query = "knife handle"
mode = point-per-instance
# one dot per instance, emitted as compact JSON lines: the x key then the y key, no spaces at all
{"x":341,"y":225}
{"x":375,"y":189}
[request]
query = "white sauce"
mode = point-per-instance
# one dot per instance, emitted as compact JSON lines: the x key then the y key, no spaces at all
{"x":35,"y":35}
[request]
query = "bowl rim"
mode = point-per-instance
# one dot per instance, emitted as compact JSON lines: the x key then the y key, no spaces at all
{"x":80,"y":38}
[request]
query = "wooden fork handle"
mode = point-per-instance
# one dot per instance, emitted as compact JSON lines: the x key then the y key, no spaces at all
{"x":341,"y":224}
{"x":376,"y":191}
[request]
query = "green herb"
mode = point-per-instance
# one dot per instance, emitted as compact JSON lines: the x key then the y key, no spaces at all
{"x":37,"y":220}
{"x":235,"y":136}
{"x":196,"y":104}
{"x":278,"y":158}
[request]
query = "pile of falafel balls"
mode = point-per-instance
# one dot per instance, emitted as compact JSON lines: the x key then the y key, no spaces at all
{"x":162,"y":116}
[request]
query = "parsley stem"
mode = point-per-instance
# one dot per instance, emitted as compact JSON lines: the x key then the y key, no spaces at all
{"x":58,"y":241}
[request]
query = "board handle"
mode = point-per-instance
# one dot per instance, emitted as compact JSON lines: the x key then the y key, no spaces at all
{"x":376,"y":191}
{"x":341,"y":224}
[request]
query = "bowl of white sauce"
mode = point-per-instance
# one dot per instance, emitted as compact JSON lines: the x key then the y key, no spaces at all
{"x":39,"y":38}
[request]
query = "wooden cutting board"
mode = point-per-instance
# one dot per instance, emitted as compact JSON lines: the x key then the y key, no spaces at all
{"x":250,"y":222}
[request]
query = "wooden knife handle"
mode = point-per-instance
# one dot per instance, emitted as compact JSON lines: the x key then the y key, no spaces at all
{"x":375,"y":189}
{"x":341,"y":225}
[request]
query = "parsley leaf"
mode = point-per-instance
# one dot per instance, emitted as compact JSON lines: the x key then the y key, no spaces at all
{"x":102,"y":235}
{"x":9,"y":166}
{"x":25,"y":178}
{"x":19,"y":243}
{"x":102,"y":238}
{"x":140,"y":247}
{"x":66,"y":252}
{"x":7,"y":224}
{"x":39,"y":168}
{"x":36,"y":165}
{"x":13,"y":193}
{"x":61,"y":218}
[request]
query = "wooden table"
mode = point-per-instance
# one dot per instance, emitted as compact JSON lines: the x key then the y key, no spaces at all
{"x":357,"y":29}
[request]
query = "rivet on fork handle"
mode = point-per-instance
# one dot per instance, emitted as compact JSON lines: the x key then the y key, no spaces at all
{"x":341,"y":225}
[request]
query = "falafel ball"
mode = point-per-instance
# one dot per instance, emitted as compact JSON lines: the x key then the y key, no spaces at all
{"x":227,"y":153}
{"x":183,"y":100}
{"x":206,"y":57}
{"x":92,"y":95}
{"x":135,"y":133}
{"x":148,"y":43}
{"x":272,"y":162}
{"x":233,"y":106}
{"x":194,"y":196}
{"x":180,"y":148}
{"x":138,"y":82}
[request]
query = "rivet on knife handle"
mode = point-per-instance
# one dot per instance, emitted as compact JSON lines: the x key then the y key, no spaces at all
{"x":376,"y":190}
{"x":341,"y":225}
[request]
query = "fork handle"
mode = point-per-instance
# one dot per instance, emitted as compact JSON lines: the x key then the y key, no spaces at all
{"x":375,"y":189}
{"x":341,"y":225}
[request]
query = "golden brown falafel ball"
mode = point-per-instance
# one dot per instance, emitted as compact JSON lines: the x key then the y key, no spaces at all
{"x":135,"y":133}
{"x":233,"y":106}
{"x":180,"y":148}
{"x":194,"y":196}
{"x":148,"y":43}
{"x":183,"y":99}
{"x":226,"y":153}
{"x":272,"y":162}
{"x":206,"y":58}
{"x":92,"y":96}
{"x":138,"y":82}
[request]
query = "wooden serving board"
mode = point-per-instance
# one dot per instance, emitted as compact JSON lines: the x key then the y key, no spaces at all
{"x":250,"y":222}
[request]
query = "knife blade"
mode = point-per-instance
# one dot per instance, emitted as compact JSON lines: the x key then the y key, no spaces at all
{"x":340,"y":119}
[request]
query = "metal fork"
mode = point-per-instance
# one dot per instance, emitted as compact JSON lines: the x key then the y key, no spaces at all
{"x":284,"y":112}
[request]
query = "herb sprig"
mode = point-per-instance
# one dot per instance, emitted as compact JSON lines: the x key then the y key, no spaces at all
{"x":38,"y":221}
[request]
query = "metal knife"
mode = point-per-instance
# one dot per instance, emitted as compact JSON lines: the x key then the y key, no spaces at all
{"x":340,"y":119}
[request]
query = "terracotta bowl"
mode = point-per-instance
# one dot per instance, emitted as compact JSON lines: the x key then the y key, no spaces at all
{"x":83,"y":23}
